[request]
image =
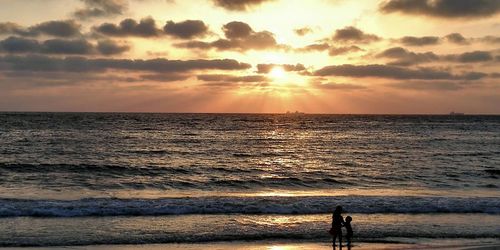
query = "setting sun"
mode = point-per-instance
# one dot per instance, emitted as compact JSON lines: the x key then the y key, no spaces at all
{"x":277,"y":73}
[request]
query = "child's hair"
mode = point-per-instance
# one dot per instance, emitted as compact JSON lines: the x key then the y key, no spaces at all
{"x":348,"y":218}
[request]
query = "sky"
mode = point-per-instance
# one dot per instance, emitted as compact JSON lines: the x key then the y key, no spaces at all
{"x":251,"y":56}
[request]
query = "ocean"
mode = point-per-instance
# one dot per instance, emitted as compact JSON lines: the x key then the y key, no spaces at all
{"x":142,"y":178}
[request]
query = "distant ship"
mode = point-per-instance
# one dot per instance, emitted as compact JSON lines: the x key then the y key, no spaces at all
{"x":295,"y":113}
{"x":456,"y":113}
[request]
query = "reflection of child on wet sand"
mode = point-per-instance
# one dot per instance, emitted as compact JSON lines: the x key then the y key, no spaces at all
{"x":347,"y":225}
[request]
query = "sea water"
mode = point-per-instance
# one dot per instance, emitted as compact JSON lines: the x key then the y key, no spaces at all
{"x":129,"y":178}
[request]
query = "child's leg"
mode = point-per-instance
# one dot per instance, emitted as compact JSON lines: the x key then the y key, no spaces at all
{"x":340,"y":239}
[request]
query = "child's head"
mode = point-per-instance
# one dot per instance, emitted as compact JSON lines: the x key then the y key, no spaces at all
{"x":348,"y":219}
{"x":338,"y":209}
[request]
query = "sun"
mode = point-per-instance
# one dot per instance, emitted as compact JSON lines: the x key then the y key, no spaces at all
{"x":277,"y":73}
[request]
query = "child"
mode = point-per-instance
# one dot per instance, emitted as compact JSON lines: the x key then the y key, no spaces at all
{"x":337,"y":222}
{"x":347,"y":225}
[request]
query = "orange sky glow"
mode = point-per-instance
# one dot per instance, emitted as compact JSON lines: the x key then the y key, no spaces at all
{"x":250,"y":56}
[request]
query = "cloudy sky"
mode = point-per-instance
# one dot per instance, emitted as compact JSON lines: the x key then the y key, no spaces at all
{"x":315,"y":56}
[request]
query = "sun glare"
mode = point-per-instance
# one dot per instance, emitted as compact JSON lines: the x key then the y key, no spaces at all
{"x":277,"y":73}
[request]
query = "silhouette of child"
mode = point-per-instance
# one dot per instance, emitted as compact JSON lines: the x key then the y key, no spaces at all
{"x":347,"y":225}
{"x":336,"y":230}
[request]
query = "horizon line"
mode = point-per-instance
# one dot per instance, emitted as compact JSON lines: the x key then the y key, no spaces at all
{"x":255,"y":113}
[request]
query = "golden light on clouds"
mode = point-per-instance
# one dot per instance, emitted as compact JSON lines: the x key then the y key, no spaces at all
{"x":314,"y":56}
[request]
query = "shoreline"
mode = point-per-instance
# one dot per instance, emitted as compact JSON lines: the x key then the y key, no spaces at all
{"x":445,"y":244}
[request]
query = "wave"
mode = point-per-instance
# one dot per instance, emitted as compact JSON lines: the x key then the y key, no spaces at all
{"x":245,"y":205}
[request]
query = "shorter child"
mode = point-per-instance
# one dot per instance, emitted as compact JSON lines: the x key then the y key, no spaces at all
{"x":347,"y":225}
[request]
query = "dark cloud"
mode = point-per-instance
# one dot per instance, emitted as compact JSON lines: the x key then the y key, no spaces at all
{"x":404,"y":57}
{"x":338,"y":86}
{"x":456,"y":38}
{"x":428,"y":85}
{"x":238,"y":5}
{"x":352,"y":34}
{"x":62,"y":28}
{"x":195,"y":45}
{"x":470,"y":57}
{"x":11,"y":28}
{"x":101,"y":8}
{"x":66,"y":28}
{"x":239,"y":36}
{"x":59,"y":46}
{"x":443,"y":8}
{"x":303,"y":31}
{"x":335,"y":51}
{"x":19,"y":45}
{"x":419,"y":41}
{"x":266,"y":68}
{"x":232,"y":78}
{"x":490,"y":39}
{"x":237,"y":30}
{"x":394,"y":72}
{"x":82,"y":64}
{"x":110,"y":47}
{"x":146,"y":27}
{"x":495,"y":75}
{"x":164,"y":77}
{"x":69,"y":47}
{"x":314,"y":47}
{"x":43,"y":79}
{"x":187,"y":29}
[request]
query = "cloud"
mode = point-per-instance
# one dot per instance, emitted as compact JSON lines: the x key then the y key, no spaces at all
{"x":443,"y":8}
{"x":470,"y":57}
{"x":15,"y":45}
{"x":239,"y":36}
{"x":495,"y":75}
{"x":231,"y":78}
{"x":187,"y":29}
{"x":82,"y":64}
{"x":101,"y":8}
{"x":19,"y":45}
{"x":237,"y":30}
{"x":490,"y":39}
{"x":394,"y":72}
{"x":338,"y":86}
{"x":11,"y":28}
{"x":352,"y":34}
{"x":110,"y":47}
{"x":266,"y":68}
{"x":51,"y":46}
{"x":404,"y":57}
{"x":146,"y":27}
{"x":238,"y":5}
{"x":314,"y":47}
{"x":419,"y":41}
{"x":428,"y":85}
{"x":57,"y":28}
{"x":69,"y":47}
{"x":303,"y":31}
{"x":335,"y":51}
{"x":456,"y":38}
{"x":164,"y":77}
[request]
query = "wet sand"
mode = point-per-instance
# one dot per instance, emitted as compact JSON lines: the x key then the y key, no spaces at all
{"x":269,"y":245}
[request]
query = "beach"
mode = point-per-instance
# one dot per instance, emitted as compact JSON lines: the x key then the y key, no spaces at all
{"x":446,"y":245}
